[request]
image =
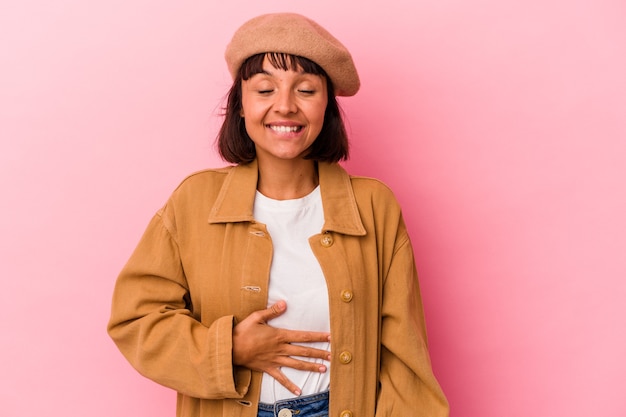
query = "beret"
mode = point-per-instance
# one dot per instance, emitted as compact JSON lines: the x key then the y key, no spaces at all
{"x":294,"y":34}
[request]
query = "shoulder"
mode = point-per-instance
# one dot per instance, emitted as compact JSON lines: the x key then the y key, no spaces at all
{"x":369,"y":184}
{"x":374,"y":190}
{"x":336,"y":176}
{"x":200,"y":183}
{"x":379,"y":210}
{"x":198,"y":189}
{"x":204,"y":177}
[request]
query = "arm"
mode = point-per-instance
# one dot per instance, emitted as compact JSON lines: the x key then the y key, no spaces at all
{"x":152,"y":324}
{"x":407,"y":383}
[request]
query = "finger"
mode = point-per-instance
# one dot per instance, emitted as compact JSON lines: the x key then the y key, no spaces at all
{"x":290,"y":362}
{"x":302,"y":336}
{"x":277,"y":374}
{"x":273,"y":311}
{"x":307,"y":352}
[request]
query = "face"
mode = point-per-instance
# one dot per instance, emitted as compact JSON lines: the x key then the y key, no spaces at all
{"x":283,"y":111}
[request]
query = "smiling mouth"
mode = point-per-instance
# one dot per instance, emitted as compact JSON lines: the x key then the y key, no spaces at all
{"x":285,"y":129}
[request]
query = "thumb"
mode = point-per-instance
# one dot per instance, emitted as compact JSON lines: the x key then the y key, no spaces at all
{"x":274,"y":311}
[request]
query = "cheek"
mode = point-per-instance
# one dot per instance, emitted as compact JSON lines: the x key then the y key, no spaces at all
{"x":252,"y":128}
{"x":254,"y":110}
{"x":320,"y":112}
{"x":248,"y":105}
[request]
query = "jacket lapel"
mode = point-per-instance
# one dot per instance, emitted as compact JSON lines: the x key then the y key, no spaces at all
{"x":235,"y":201}
{"x":341,"y":213}
{"x":236,"y":198}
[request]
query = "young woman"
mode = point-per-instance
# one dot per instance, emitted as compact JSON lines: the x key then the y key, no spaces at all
{"x":280,"y":285}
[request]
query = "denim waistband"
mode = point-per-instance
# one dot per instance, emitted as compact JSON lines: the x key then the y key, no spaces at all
{"x":315,"y":405}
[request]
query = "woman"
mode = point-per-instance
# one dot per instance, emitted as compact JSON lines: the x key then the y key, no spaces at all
{"x":239,"y":281}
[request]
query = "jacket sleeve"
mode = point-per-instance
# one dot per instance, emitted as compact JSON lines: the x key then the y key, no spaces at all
{"x":407,"y":384}
{"x":153,"y":326}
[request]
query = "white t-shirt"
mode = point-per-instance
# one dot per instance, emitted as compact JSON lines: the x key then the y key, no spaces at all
{"x":297,"y":278}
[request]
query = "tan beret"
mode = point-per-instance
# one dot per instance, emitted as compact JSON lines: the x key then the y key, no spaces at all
{"x":294,"y":34}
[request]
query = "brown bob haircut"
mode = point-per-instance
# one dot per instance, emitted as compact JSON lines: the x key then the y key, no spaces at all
{"x":233,"y":142}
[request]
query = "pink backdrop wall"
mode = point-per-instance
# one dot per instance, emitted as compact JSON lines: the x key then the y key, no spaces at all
{"x":501,"y":126}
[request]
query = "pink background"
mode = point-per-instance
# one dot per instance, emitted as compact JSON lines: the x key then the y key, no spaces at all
{"x":501,"y":126}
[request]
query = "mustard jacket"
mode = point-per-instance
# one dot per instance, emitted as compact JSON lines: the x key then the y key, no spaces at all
{"x":203,"y":263}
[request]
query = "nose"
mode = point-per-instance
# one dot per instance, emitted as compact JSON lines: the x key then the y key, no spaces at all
{"x":285,"y":102}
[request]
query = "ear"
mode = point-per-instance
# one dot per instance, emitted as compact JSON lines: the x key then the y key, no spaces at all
{"x":241,"y":113}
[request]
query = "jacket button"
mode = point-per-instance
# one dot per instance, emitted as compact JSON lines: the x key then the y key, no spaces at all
{"x":345,"y":357}
{"x":327,"y":240}
{"x":346,"y":413}
{"x":346,"y":296}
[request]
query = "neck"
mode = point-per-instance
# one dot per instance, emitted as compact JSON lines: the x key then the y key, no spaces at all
{"x":288,"y":180}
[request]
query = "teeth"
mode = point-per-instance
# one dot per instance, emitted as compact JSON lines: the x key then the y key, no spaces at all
{"x":285,"y":129}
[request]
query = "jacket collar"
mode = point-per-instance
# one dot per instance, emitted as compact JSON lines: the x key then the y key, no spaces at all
{"x":235,"y":201}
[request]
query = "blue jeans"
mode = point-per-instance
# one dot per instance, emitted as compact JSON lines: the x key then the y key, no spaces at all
{"x":315,"y":405}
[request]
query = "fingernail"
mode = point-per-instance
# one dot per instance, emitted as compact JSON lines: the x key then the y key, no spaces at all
{"x":297,"y":392}
{"x":322,"y":369}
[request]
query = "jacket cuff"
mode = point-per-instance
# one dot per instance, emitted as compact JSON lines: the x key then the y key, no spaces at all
{"x":233,"y":382}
